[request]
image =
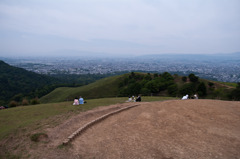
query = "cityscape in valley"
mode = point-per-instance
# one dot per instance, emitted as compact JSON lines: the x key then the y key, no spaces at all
{"x":223,"y":67}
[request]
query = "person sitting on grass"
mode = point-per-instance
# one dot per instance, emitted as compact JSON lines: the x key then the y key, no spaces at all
{"x":75,"y":102}
{"x":138,"y":99}
{"x":81,"y":100}
{"x":185,"y":97}
{"x":129,"y":99}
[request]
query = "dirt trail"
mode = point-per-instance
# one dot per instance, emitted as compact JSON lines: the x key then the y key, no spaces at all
{"x":175,"y":129}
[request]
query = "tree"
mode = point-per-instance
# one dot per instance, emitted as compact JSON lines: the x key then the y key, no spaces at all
{"x":173,"y":90}
{"x":210,"y":84}
{"x":235,"y":94}
{"x":184,"y":79}
{"x":201,"y":89}
{"x":148,"y":77}
{"x":167,"y":76}
{"x":152,"y":86}
{"x":193,"y":78}
{"x":155,"y":75}
{"x":145,"y":91}
{"x":134,"y":89}
{"x":187,"y":88}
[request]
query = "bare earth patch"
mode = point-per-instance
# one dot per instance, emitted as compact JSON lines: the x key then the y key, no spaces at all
{"x":175,"y":129}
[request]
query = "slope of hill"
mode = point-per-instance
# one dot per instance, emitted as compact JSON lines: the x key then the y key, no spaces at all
{"x":107,"y":87}
{"x":145,"y":84}
{"x":17,"y":81}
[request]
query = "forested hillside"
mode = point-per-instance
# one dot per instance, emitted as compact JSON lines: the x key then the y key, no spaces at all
{"x":166,"y":84}
{"x":16,"y":83}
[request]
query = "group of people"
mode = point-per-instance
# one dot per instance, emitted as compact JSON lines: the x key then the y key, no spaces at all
{"x":186,"y":97}
{"x":78,"y":101}
{"x":133,"y":99}
{"x":3,"y":107}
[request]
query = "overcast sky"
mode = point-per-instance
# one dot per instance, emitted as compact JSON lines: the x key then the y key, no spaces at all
{"x":126,"y":27}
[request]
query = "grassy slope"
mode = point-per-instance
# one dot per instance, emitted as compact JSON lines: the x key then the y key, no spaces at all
{"x":15,"y":119}
{"x":107,"y":87}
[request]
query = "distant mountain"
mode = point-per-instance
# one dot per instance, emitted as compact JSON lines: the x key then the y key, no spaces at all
{"x":18,"y":82}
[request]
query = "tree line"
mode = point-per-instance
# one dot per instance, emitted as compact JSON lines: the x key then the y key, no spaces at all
{"x":173,"y":85}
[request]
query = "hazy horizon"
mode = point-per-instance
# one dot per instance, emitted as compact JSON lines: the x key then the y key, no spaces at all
{"x":121,"y":27}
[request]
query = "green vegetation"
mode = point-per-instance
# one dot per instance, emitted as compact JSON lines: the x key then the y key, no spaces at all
{"x":19,"y":118}
{"x":235,"y":94}
{"x":145,"y":84}
{"x":15,"y":83}
{"x":166,"y":84}
{"x":107,"y":87}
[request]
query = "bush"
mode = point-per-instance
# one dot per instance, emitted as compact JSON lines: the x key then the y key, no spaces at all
{"x":35,"y":101}
{"x":184,"y":79}
{"x":145,"y":92}
{"x":193,"y":78}
{"x":187,"y":89}
{"x":210,"y":84}
{"x":202,"y":89}
{"x":173,"y":90}
{"x":13,"y":104}
{"x":25,"y":102}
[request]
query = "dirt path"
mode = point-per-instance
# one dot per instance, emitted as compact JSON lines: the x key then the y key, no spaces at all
{"x":176,"y":129}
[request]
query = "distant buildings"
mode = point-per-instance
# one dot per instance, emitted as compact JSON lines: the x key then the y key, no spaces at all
{"x":209,"y":69}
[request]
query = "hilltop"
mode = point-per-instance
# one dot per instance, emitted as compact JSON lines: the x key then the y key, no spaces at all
{"x":203,"y":129}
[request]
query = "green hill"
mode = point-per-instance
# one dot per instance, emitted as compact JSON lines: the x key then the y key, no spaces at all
{"x":18,"y":82}
{"x":107,"y":87}
{"x":146,"y":84}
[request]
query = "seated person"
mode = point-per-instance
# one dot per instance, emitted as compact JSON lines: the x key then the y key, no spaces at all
{"x":129,"y":99}
{"x":185,"y":97}
{"x":138,"y":99}
{"x":81,"y":100}
{"x":75,"y":102}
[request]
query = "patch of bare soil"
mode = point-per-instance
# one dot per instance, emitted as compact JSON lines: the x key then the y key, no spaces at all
{"x":175,"y":129}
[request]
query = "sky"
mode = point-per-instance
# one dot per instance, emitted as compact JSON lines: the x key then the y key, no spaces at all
{"x":118,"y":27}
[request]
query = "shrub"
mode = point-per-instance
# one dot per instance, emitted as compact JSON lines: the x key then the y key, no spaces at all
{"x":145,"y":92}
{"x":210,"y":84}
{"x":173,"y":90}
{"x":184,"y":79}
{"x":13,"y":104}
{"x":187,"y":89}
{"x":202,"y":90}
{"x":25,"y":102}
{"x":35,"y":101}
{"x":193,"y":78}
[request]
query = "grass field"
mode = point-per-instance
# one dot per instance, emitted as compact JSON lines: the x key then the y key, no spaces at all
{"x":14,"y":119}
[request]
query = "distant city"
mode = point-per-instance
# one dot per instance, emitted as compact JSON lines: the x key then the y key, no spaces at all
{"x":214,"y":67}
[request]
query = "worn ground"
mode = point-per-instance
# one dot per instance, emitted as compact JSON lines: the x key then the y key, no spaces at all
{"x":174,"y":129}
